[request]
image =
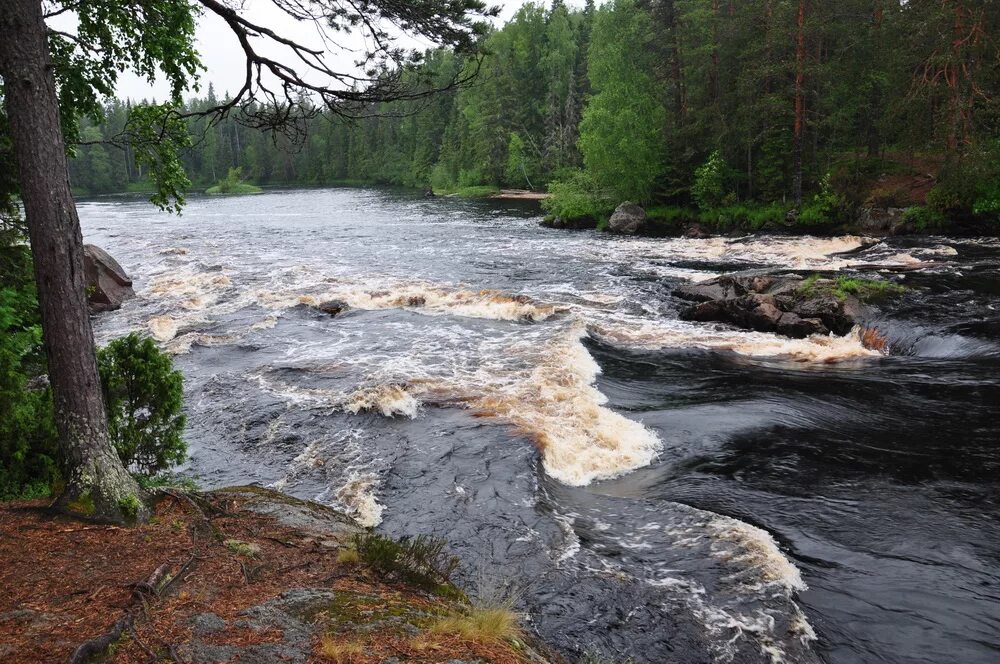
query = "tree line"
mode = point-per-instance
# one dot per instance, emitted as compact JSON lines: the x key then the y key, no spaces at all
{"x":700,"y":103}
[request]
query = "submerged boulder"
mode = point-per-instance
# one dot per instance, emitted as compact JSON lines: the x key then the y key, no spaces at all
{"x":628,"y":219}
{"x":786,"y":305}
{"x":107,"y":284}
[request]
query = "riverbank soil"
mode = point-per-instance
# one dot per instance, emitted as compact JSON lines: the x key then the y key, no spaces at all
{"x":236,"y":575}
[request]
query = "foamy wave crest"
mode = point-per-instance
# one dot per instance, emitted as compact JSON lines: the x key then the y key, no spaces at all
{"x":192,"y":291}
{"x":664,"y":334}
{"x":755,"y":599}
{"x":799,"y":252}
{"x":581,"y":440}
{"x":754,"y":552}
{"x":337,"y":460}
{"x":389,"y":400}
{"x":427,"y":298}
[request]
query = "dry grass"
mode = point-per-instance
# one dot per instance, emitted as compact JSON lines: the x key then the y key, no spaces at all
{"x":488,"y":625}
{"x":341,"y":652}
{"x":348,"y":556}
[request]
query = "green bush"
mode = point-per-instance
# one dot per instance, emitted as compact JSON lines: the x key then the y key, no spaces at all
{"x":144,"y":397}
{"x":969,"y":186}
{"x":711,"y":183}
{"x":575,"y":196}
{"x":825,"y":208}
{"x":141,"y":390}
{"x":925,"y":218}
{"x":421,"y":560}
{"x":28,"y":439}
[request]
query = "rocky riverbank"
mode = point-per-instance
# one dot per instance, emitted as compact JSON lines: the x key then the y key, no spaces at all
{"x":870,"y":220}
{"x":239,"y":574}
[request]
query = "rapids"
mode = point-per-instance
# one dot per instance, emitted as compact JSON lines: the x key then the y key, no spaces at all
{"x":647,"y":489}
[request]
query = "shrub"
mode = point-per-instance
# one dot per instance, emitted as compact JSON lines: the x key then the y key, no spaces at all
{"x":28,"y":438}
{"x":143,"y":396}
{"x":826,"y":207}
{"x":575,"y":196}
{"x":925,"y":218}
{"x":711,"y":180}
{"x":761,"y":216}
{"x":421,"y":560}
{"x":141,"y":390}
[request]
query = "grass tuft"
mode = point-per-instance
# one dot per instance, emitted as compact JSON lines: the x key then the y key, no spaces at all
{"x":421,"y":561}
{"x":348,"y":556}
{"x":480,"y":625}
{"x":341,"y":652}
{"x":242,"y":548}
{"x":866,"y":290}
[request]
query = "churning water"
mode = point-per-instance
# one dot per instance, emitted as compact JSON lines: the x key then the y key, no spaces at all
{"x":653,"y":489}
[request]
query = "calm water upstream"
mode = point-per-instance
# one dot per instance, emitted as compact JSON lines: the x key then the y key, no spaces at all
{"x":656,"y":490}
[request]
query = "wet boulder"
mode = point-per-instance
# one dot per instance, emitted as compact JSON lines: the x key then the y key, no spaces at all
{"x":333,"y":307}
{"x":107,"y":284}
{"x":627,"y":219}
{"x":785,"y":305}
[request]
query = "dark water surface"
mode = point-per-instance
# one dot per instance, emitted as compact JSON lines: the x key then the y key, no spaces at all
{"x":652,"y":489}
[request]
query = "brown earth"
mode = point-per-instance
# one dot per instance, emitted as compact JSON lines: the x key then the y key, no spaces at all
{"x":240,"y":575}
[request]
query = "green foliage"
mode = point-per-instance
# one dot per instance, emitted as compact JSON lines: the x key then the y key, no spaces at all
{"x":621,"y":134}
{"x":144,"y":396}
{"x":638,"y":93}
{"x":825,"y":208}
{"x":866,"y":290}
{"x":925,"y":218}
{"x":576,"y":196}
{"x":711,"y":182}
{"x":421,"y":560}
{"x":28,"y":440}
{"x":167,"y":481}
{"x":233,"y":184}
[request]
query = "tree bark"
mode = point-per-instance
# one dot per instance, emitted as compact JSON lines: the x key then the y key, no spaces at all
{"x":800,"y":76}
{"x":97,"y":485}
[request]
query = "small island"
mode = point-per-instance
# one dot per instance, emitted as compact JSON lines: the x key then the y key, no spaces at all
{"x":233,"y":184}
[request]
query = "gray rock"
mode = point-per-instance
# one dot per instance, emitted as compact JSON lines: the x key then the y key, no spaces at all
{"x":107,"y":284}
{"x":295,"y":513}
{"x":628,"y":219}
{"x":880,"y":220}
{"x":768,"y":303}
{"x":207,"y":623}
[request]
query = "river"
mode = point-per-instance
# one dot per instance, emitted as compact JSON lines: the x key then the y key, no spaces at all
{"x":646,"y":489}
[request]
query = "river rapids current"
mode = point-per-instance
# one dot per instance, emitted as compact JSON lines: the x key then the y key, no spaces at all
{"x":650,"y":490}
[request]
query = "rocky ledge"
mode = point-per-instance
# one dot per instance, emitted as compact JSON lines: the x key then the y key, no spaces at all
{"x":789,"y":305}
{"x":241,"y":574}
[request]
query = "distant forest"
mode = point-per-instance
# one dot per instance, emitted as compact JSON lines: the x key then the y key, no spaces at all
{"x":697,"y":103}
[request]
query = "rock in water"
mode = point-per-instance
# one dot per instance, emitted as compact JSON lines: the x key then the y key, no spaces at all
{"x":107,"y":284}
{"x":333,"y":307}
{"x":628,"y":219}
{"x":779,"y":304}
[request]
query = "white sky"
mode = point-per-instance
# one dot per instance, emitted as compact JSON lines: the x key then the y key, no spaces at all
{"x":223,"y":59}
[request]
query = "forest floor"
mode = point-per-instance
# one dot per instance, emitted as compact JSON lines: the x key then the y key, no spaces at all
{"x":240,"y":574}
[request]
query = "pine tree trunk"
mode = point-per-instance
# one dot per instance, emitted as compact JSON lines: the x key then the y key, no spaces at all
{"x":800,"y":68}
{"x":97,"y":485}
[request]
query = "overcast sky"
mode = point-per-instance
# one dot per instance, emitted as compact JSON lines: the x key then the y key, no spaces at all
{"x":223,"y":59}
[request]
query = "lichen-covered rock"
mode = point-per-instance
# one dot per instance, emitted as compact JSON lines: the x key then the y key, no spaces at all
{"x":628,"y":219}
{"x":107,"y":284}
{"x":766,"y":303}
